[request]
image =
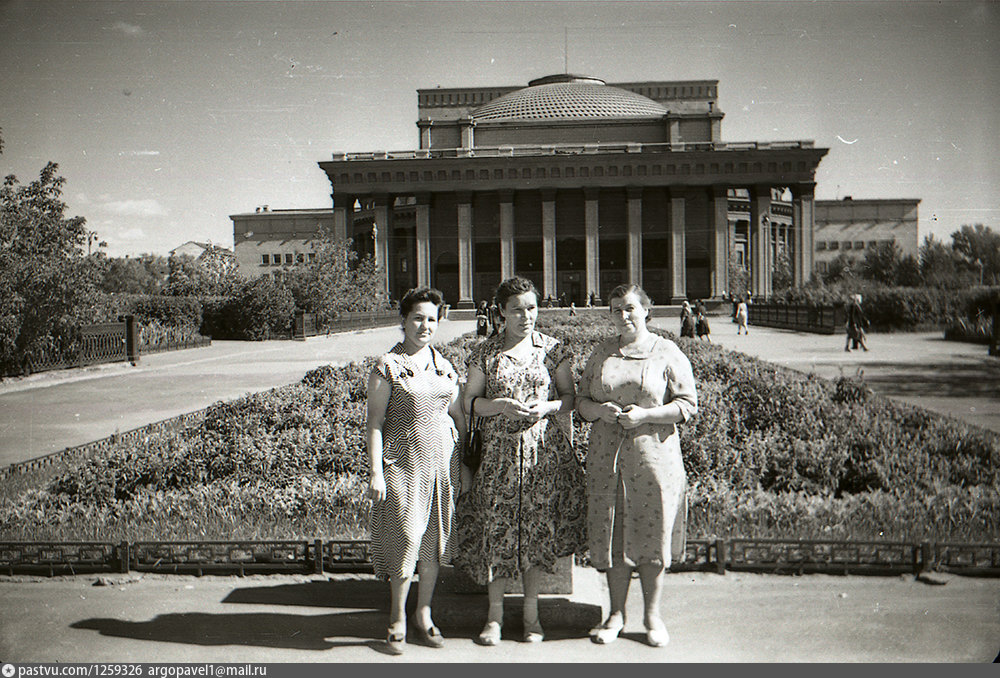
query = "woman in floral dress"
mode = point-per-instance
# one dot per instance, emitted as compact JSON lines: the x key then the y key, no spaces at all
{"x":527,"y":505}
{"x":414,"y":420}
{"x":636,"y":387}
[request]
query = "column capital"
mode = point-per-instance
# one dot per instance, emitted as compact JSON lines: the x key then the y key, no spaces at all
{"x":423,"y":198}
{"x":505,"y":195}
{"x":720,"y":191}
{"x":761,"y":191}
{"x":633,"y":192}
{"x":463,"y":197}
{"x":803,"y":190}
{"x":382,"y":199}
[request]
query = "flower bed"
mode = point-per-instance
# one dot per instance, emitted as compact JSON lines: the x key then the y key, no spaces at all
{"x":771,"y":453}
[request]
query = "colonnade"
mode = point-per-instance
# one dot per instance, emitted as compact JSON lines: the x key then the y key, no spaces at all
{"x":715,"y":234}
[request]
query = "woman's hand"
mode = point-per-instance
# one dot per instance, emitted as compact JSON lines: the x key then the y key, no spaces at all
{"x":514,"y":409}
{"x":539,"y":409}
{"x":632,"y":416}
{"x":609,"y":412}
{"x":376,"y":488}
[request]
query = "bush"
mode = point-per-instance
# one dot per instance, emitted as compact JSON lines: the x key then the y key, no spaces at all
{"x":260,"y":309}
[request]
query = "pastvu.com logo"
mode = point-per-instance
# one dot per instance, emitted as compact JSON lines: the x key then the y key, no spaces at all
{"x":7,"y":670}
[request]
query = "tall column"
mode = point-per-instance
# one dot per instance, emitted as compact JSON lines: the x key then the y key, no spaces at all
{"x":506,"y":234}
{"x":634,"y":196}
{"x":465,"y":251}
{"x":549,"y":288}
{"x":343,"y":208}
{"x":760,"y":227}
{"x":423,"y":217}
{"x":803,"y":216}
{"x":720,"y":242}
{"x":593,"y":251}
{"x":678,"y":248}
{"x":381,"y":233}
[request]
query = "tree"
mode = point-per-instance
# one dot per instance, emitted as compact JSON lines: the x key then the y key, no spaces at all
{"x":739,"y":277}
{"x":939,"y":265}
{"x":337,"y":280}
{"x":881,"y":263}
{"x":979,"y":247}
{"x":782,"y":276}
{"x":213,"y":274}
{"x":841,"y":268}
{"x":44,"y":276}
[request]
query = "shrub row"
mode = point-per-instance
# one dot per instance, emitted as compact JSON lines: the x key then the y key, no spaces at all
{"x":771,"y":453}
{"x":899,"y":308}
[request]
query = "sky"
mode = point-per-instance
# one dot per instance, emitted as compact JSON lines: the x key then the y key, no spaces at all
{"x":167,"y":117}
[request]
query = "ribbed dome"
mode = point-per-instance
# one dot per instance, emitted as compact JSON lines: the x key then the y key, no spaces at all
{"x":568,"y":97}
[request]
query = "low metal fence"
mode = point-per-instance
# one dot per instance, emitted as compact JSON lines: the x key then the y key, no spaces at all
{"x":803,"y":318}
{"x":89,"y":345}
{"x":775,"y":556}
{"x":199,"y":342}
{"x":305,"y":323}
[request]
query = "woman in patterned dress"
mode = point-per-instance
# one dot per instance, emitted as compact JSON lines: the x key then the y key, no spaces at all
{"x":527,"y":505}
{"x":414,"y":420}
{"x":636,"y":387}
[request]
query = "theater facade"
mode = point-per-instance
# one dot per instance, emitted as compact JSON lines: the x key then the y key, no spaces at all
{"x":579,"y":185}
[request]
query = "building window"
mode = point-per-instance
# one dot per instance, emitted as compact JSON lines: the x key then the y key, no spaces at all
{"x":834,"y":245}
{"x":288,"y":258}
{"x":847,"y":244}
{"x":872,"y":244}
{"x":265,"y":260}
{"x":821,"y":266}
{"x":820,"y":245}
{"x":300,"y":258}
{"x":859,"y":245}
{"x":312,"y":257}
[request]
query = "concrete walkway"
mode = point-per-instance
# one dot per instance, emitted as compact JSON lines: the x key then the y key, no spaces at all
{"x":341,"y":618}
{"x":921,"y":368}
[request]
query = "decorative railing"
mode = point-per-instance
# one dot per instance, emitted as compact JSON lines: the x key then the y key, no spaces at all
{"x":89,"y":345}
{"x":572,"y":149}
{"x":818,"y":319}
{"x":315,"y":556}
{"x":305,"y":323}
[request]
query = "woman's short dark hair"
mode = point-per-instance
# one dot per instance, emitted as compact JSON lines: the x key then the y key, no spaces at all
{"x":620,"y":292}
{"x":512,"y":287}
{"x":419,"y":295}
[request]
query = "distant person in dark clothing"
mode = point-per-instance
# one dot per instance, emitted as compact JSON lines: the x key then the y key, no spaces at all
{"x":495,"y":318}
{"x":857,"y":324}
{"x":482,"y":319}
{"x":701,"y":322}
{"x":687,"y":320}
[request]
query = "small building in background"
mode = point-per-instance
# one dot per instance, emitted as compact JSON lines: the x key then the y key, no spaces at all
{"x":201,"y":251}
{"x":850,"y":227}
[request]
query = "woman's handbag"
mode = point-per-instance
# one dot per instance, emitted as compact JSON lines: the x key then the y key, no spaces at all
{"x":472,"y":455}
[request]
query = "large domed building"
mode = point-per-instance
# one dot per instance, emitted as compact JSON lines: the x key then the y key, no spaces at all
{"x":578,"y":184}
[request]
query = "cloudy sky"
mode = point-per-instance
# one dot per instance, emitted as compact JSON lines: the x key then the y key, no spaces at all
{"x":166,"y":117}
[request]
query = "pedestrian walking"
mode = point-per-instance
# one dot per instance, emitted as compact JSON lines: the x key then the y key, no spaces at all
{"x":857,"y":325}
{"x":742,"y":317}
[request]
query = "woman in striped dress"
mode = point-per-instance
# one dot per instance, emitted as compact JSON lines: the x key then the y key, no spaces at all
{"x":415,"y":422}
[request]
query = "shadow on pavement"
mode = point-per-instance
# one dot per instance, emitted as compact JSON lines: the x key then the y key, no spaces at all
{"x":351,"y":594}
{"x":302,"y":632}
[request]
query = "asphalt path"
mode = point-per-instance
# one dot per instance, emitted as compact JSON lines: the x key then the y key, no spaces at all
{"x":51,"y":411}
{"x":920,"y":368}
{"x":736,"y":617}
